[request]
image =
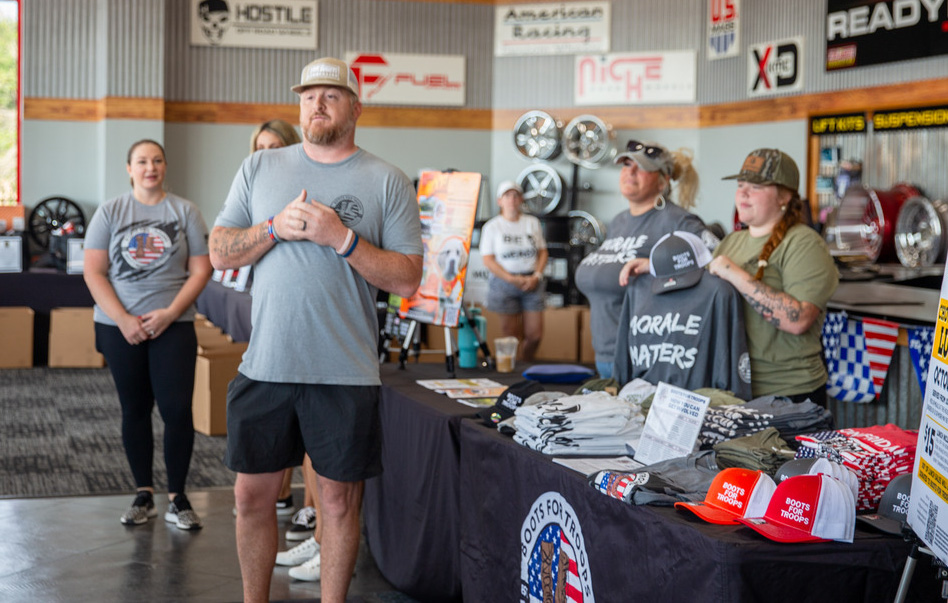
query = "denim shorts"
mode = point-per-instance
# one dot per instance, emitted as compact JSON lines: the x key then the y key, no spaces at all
{"x":271,"y":425}
{"x":504,"y":298}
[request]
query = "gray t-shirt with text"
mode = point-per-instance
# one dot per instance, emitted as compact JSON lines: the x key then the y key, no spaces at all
{"x":313,"y":316}
{"x":628,"y":237}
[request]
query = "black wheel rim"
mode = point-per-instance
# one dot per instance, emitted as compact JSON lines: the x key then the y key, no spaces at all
{"x":54,"y":213}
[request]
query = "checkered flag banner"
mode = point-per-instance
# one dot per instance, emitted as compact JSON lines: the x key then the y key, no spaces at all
{"x":850,"y":373}
{"x":832,"y":326}
{"x":920,"y":340}
{"x":881,"y":336}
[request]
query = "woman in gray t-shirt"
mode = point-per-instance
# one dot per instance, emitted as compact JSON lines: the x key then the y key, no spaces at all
{"x":645,"y":181}
{"x":146,"y":261}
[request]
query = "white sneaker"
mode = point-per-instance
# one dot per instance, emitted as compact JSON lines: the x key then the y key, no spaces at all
{"x":308,"y":572}
{"x":299,"y":554}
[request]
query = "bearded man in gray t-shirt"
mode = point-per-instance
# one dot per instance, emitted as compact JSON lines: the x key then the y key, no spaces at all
{"x":325,"y":225}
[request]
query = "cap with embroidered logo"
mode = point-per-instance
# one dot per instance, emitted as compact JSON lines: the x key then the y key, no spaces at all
{"x":769,"y":166}
{"x":509,"y":401}
{"x":327,"y":71}
{"x":893,"y":508}
{"x":808,"y":508}
{"x":735,"y":492}
{"x":677,"y":261}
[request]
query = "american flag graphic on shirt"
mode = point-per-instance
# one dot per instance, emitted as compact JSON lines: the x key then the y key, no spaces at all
{"x":145,"y":247}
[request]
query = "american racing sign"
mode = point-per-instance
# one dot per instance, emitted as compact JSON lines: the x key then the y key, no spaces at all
{"x":561,"y":28}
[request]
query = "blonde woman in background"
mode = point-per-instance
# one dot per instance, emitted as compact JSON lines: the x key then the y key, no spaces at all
{"x":273,"y":134}
{"x":786,"y":275}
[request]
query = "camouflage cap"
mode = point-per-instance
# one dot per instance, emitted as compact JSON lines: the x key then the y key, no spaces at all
{"x":769,"y":166}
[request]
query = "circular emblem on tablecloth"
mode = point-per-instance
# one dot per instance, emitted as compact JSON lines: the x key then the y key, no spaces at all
{"x":146,"y":248}
{"x":553,"y":561}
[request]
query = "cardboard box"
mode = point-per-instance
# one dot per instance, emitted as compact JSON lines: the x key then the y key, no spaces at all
{"x":586,"y":353}
{"x":209,"y":339}
{"x":72,"y":339}
{"x":560,"y":342}
{"x":213,"y":371}
{"x":16,"y":324}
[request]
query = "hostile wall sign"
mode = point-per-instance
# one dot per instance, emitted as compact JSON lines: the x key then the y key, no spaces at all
{"x":861,"y":32}
{"x":255,"y":24}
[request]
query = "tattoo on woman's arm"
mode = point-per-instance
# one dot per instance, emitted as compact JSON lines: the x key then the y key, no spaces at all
{"x":767,"y":302}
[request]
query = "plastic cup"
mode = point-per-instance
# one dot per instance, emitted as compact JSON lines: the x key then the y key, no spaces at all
{"x":506,"y":352}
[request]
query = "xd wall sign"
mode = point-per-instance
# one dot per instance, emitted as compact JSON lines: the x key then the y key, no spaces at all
{"x":775,"y":67}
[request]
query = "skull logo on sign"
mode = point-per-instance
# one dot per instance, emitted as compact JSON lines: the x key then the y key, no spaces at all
{"x":215,"y":15}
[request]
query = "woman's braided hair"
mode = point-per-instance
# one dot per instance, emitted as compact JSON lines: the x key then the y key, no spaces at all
{"x":792,"y":215}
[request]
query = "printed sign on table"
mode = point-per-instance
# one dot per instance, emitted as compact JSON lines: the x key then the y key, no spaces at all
{"x":724,"y":28}
{"x":672,"y":426}
{"x":409,"y":79}
{"x":448,"y":204}
{"x":775,"y":67}
{"x":635,"y":78}
{"x":548,"y":29}
{"x":928,"y":504}
{"x":258,"y":24}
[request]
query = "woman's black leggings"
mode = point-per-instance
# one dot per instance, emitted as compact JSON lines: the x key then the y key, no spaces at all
{"x":158,"y":370}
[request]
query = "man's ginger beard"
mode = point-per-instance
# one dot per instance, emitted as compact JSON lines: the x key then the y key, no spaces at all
{"x":332,"y":134}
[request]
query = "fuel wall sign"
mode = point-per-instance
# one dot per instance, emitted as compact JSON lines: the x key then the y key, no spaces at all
{"x":860,"y":33}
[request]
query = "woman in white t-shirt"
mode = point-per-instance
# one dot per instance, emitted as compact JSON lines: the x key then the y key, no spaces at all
{"x":514,"y":250}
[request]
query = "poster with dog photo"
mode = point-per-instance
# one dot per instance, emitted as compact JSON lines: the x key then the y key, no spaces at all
{"x":447,"y":202}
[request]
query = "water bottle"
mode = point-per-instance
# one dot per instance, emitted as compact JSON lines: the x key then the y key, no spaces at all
{"x":467,"y":342}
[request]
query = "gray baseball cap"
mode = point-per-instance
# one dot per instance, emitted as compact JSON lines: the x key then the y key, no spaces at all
{"x":327,"y":71}
{"x":650,"y":156}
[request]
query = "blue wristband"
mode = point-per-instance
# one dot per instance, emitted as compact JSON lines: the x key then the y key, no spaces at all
{"x":355,"y":241}
{"x":271,"y":232}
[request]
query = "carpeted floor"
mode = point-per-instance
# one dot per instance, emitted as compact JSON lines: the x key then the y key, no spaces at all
{"x":60,"y":435}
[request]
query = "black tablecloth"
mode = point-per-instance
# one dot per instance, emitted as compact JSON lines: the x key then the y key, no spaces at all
{"x":411,"y":511}
{"x":625,"y":553}
{"x":226,"y":308}
{"x":43,"y":290}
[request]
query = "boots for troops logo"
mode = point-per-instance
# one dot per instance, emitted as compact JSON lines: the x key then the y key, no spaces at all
{"x":554,"y":567}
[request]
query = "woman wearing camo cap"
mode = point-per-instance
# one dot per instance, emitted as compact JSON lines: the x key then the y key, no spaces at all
{"x":648,"y":170}
{"x":786,"y":275}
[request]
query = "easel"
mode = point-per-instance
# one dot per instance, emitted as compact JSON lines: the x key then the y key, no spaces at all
{"x":912,"y":560}
{"x":450,"y":350}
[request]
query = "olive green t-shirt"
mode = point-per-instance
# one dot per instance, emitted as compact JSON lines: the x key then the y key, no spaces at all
{"x":801,"y":266}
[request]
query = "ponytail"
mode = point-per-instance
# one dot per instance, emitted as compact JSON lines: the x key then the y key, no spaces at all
{"x":685,"y":174}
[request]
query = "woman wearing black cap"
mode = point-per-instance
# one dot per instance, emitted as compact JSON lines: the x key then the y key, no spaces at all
{"x":786,"y":275}
{"x":645,"y":181}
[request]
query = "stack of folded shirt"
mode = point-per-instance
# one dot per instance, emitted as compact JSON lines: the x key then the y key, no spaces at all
{"x":789,"y":418}
{"x":591,"y":424}
{"x":875,"y":454}
{"x":765,"y":451}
